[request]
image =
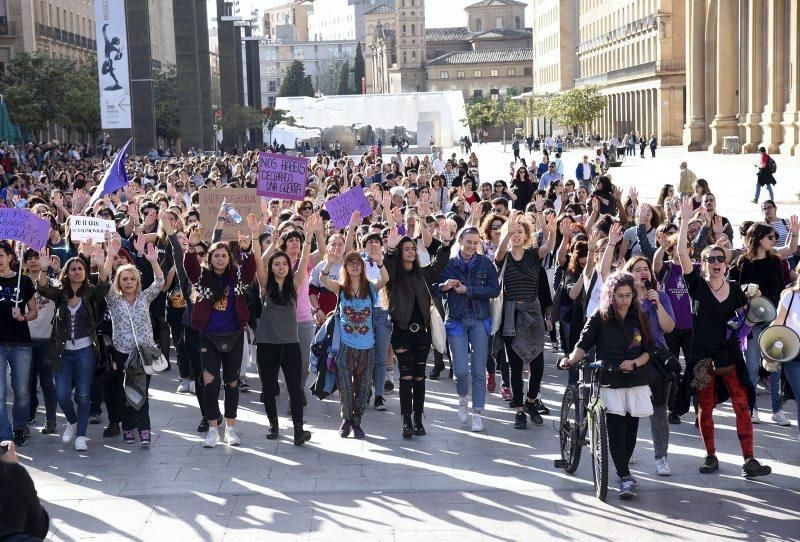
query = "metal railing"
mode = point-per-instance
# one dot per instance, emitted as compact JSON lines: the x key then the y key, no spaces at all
{"x":646,"y":68}
{"x":63,"y":36}
{"x":640,"y":25}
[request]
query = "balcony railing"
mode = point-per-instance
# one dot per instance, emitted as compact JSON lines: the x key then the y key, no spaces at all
{"x":63,"y":36}
{"x":647,"y":68}
{"x":640,"y":25}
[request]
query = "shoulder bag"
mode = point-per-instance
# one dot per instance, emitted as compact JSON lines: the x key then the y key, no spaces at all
{"x":157,"y":363}
{"x":496,"y":303}
{"x":438,"y":333}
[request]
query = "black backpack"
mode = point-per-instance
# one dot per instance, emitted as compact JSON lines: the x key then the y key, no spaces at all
{"x":772,"y":166}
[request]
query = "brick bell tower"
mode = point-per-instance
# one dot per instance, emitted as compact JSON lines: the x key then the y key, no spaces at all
{"x":409,"y":74}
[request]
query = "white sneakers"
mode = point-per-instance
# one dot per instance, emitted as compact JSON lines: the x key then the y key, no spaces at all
{"x":477,"y":423}
{"x":462,"y":409}
{"x":232,"y":436}
{"x":80,"y":444}
{"x":754,"y":416}
{"x":212,"y":437}
{"x":662,"y":467}
{"x":69,"y":433}
{"x":781,"y":419}
{"x":183,"y":387}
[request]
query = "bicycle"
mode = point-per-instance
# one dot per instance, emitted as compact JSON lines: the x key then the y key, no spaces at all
{"x":583,"y":421}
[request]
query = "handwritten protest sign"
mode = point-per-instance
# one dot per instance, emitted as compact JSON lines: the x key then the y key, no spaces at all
{"x":244,"y":200}
{"x":342,"y":207}
{"x":88,"y":227}
{"x":24,"y":226}
{"x":281,"y":176}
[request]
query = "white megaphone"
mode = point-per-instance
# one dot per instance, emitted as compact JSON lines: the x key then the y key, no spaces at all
{"x":761,"y":310}
{"x":779,"y":344}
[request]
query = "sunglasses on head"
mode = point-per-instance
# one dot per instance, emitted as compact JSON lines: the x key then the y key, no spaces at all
{"x":714,"y":259}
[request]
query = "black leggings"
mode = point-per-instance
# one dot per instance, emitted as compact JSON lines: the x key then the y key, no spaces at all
{"x":270,"y":358}
{"x":231,"y":363}
{"x":411,"y":362}
{"x":117,"y":403}
{"x":516,"y":363}
{"x":179,"y":341}
{"x":161,"y":331}
{"x":191,"y":340}
{"x":622,"y":432}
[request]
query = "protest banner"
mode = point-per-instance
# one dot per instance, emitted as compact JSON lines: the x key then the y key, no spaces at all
{"x":88,"y":227}
{"x":281,"y":176}
{"x":244,"y":200}
{"x":24,"y":226}
{"x":342,"y":207}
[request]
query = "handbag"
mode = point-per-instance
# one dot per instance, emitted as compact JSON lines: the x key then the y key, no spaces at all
{"x":496,"y":303}
{"x":438,"y":333}
{"x":158,"y":364}
{"x":106,"y":367}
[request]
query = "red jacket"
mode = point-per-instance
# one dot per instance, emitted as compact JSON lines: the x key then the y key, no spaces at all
{"x":201,"y":312}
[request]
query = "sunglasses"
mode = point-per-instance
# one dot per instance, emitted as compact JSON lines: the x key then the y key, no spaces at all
{"x":714,"y":259}
{"x":496,"y":227}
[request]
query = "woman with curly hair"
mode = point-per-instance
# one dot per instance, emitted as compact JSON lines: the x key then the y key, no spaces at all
{"x":621,"y":335}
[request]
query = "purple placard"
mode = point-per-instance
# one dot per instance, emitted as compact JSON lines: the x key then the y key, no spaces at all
{"x":24,"y":226}
{"x":281,"y":176}
{"x":342,"y":207}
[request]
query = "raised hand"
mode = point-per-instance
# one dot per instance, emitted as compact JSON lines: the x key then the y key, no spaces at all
{"x":151,"y":253}
{"x":98,"y":258}
{"x":717,"y":226}
{"x":645,"y":212}
{"x":253,"y":224}
{"x":139,"y":245}
{"x":46,"y":259}
{"x":355,"y":219}
{"x":86,"y":248}
{"x":632,"y":192}
{"x":794,"y":225}
{"x":686,"y":208}
{"x":551,"y":222}
{"x":393,"y":238}
{"x":445,"y":235}
{"x":113,"y":245}
{"x":594,"y":237}
{"x":539,"y":203}
{"x":615,"y":233}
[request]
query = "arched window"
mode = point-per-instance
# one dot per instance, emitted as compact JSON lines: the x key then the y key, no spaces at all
{"x":478,"y":25}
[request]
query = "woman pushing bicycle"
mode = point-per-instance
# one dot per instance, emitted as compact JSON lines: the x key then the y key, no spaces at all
{"x":621,"y":335}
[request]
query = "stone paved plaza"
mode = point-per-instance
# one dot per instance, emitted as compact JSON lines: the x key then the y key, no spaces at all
{"x":449,"y":485}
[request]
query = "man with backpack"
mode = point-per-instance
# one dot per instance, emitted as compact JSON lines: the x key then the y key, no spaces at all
{"x":766,"y":168}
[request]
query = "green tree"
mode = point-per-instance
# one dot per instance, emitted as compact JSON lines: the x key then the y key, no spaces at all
{"x":359,"y":70}
{"x":578,"y":106}
{"x":508,"y":112}
{"x":273,"y":117}
{"x":80,"y":109}
{"x":34,"y":87}
{"x":238,"y":119}
{"x":296,"y":82}
{"x":481,"y":113}
{"x":343,"y":87}
{"x":165,"y":98}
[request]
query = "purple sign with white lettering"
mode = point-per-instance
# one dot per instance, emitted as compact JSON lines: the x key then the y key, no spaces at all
{"x":281,"y":176}
{"x":342,"y":207}
{"x":24,"y":226}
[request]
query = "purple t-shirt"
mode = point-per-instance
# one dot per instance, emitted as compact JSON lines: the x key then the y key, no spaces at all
{"x":652,"y":317}
{"x":223,"y":317}
{"x":675,"y":287}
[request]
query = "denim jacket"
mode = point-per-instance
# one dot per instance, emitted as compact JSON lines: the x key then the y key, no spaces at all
{"x":481,"y":282}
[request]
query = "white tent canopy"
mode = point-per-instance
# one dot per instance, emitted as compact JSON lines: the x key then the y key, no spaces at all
{"x":286,"y":135}
{"x":423,"y":114}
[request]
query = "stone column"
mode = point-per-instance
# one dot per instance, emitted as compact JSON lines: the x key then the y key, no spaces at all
{"x":694,"y":129}
{"x":776,"y":73}
{"x":791,"y":139}
{"x":648,"y":112}
{"x":725,"y":122}
{"x":755,"y":81}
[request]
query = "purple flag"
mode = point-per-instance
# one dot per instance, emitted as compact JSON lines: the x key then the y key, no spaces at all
{"x":115,"y":177}
{"x":342,"y":207}
{"x":24,"y":226}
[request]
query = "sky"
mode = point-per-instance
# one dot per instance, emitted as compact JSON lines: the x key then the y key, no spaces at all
{"x":438,"y":13}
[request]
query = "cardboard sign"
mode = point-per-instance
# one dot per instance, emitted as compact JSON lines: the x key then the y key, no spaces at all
{"x":342,"y":207}
{"x":88,"y":227}
{"x":244,"y":200}
{"x":281,"y":176}
{"x":24,"y":226}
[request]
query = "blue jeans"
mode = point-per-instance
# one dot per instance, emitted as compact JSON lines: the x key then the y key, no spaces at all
{"x":792,"y":372}
{"x":769,"y":189}
{"x":19,"y":358}
{"x":45,"y":378}
{"x":752,"y":357}
{"x":474,"y":336}
{"x":383,"y":332}
{"x":77,"y":369}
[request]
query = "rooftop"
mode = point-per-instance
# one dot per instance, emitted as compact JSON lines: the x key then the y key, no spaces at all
{"x":380,"y":9}
{"x":483,"y":57}
{"x":503,"y":33}
{"x":457,"y":33}
{"x":495,"y":3}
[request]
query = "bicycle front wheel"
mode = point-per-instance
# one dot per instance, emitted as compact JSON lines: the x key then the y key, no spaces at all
{"x":599,"y":444}
{"x":569,"y":433}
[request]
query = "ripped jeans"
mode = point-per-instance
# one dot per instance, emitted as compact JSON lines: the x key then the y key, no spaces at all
{"x":411,"y":350}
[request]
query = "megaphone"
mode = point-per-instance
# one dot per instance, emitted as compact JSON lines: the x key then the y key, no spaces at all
{"x":779,"y":344}
{"x":761,"y":310}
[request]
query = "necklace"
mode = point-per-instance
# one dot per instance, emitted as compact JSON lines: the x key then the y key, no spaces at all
{"x":716,"y":289}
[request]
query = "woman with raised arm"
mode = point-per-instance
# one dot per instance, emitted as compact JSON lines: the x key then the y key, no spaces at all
{"x":354,"y":361}
{"x":220,"y":315}
{"x":74,"y":347}
{"x":523,"y":327}
{"x":129,"y":307}
{"x":277,"y":340}
{"x":716,"y":369}
{"x":621,"y":335}
{"x":409,"y":293}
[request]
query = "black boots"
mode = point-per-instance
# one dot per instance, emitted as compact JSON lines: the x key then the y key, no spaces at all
{"x":272,"y":432}
{"x":408,"y":429}
{"x":419,"y":429}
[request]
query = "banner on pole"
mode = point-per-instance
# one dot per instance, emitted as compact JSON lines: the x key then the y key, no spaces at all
{"x":88,"y":227}
{"x":24,"y":226}
{"x":282,"y":176}
{"x":112,"y":64}
{"x":244,"y":200}
{"x":342,"y":207}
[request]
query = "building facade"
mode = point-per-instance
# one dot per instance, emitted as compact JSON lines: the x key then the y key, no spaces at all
{"x":338,"y":20}
{"x":162,"y":33}
{"x":482,"y":74}
{"x":555,"y":35}
{"x":742,"y":71}
{"x":636,"y":50}
{"x":287,"y":22}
